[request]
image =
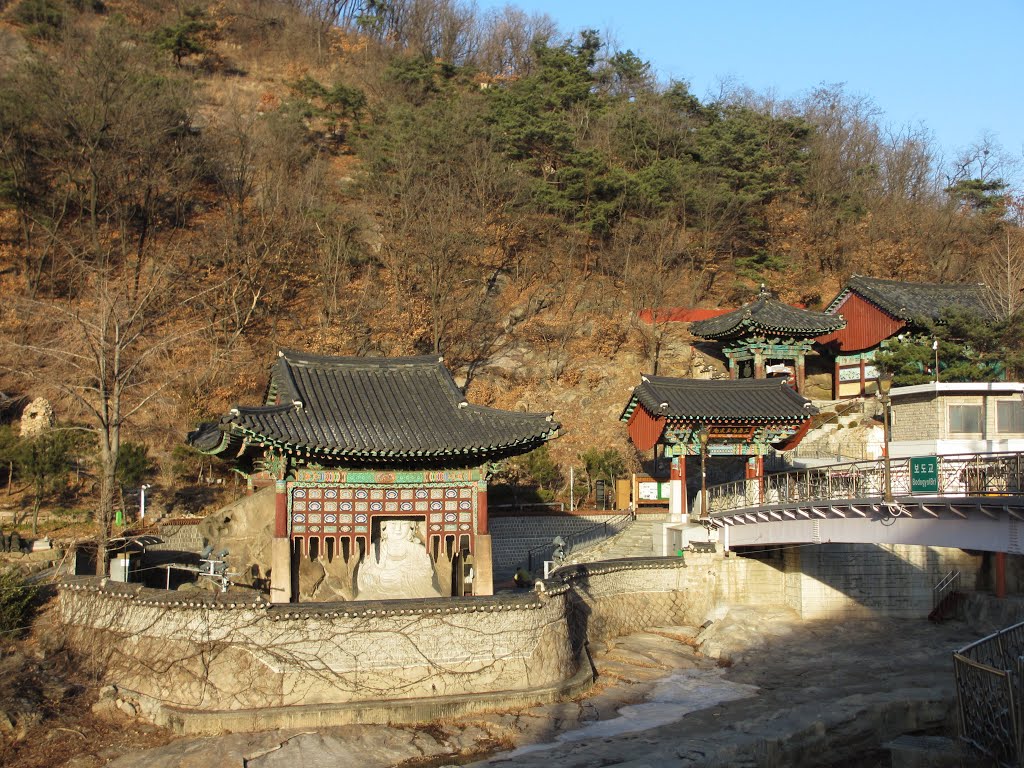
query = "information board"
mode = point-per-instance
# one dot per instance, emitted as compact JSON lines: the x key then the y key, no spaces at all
{"x":924,"y":474}
{"x":652,"y":491}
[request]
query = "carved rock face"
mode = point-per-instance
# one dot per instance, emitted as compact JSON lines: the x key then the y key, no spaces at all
{"x":245,"y":529}
{"x":325,"y":579}
{"x":397,"y":565}
{"x":37,"y":417}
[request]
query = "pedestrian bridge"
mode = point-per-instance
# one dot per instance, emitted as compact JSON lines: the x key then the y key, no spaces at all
{"x":969,"y":501}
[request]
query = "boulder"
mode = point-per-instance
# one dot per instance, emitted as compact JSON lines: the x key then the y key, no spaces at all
{"x":245,"y":528}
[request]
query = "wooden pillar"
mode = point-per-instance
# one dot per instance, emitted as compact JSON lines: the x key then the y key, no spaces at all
{"x":754,"y":472}
{"x":281,"y":510}
{"x":733,"y":368}
{"x":483,"y":558}
{"x":1000,"y":574}
{"x":280,"y":549}
{"x":800,"y":372}
{"x":835,"y":380}
{"x":759,"y":470}
{"x":677,"y":489}
{"x":758,"y":364}
{"x":481,"y":508}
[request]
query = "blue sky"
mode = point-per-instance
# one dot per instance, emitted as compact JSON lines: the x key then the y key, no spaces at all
{"x":952,"y":67}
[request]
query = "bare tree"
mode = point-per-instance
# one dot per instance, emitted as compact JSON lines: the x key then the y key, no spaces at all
{"x":339,"y":252}
{"x":657,"y":273}
{"x":508,"y":38}
{"x":327,"y":14}
{"x":1003,"y":270}
{"x":107,"y":353}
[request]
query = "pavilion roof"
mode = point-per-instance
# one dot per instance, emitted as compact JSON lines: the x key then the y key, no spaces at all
{"x":913,"y":301}
{"x":767,"y":315}
{"x":745,"y":401}
{"x":372,"y":410}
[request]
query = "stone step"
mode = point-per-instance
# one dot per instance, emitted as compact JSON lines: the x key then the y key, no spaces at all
{"x":635,"y":541}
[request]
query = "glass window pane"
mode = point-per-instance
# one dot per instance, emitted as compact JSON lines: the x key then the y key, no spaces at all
{"x":1010,"y":416}
{"x":965,"y":419}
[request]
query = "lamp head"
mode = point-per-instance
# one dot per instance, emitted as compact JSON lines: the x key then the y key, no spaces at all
{"x":885,"y":383}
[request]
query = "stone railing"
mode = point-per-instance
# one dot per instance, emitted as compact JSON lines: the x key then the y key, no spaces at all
{"x":212,"y":663}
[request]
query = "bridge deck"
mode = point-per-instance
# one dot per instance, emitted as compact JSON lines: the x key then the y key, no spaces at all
{"x":979,"y":505}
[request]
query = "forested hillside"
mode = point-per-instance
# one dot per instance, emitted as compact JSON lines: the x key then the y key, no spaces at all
{"x":186,"y":187}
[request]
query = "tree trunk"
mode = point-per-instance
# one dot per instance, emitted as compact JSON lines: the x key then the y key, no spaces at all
{"x":105,"y":512}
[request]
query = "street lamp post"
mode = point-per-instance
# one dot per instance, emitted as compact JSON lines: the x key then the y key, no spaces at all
{"x":142,"y":501}
{"x":884,"y":386}
{"x":703,"y":436}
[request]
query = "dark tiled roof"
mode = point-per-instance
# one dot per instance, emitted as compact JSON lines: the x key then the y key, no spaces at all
{"x":913,"y":301}
{"x":729,"y":400}
{"x":374,"y":410}
{"x":768,"y":316}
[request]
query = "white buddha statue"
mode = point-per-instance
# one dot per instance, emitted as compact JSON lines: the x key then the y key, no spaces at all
{"x":397,"y":566}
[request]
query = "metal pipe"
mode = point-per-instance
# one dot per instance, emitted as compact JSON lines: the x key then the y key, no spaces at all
{"x":884,"y":385}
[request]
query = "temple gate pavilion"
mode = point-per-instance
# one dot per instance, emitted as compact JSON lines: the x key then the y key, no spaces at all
{"x":708,"y":418}
{"x":761,"y":337}
{"x":379,"y":464}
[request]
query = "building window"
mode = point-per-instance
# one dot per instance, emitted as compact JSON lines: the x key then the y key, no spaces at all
{"x":1010,"y":416}
{"x":964,"y":419}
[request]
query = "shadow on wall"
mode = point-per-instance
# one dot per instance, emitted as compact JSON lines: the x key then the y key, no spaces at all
{"x":896,"y":581}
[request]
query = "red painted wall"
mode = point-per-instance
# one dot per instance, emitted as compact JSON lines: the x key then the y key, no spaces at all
{"x":644,"y":429}
{"x":866,"y":326}
{"x":679,"y":314}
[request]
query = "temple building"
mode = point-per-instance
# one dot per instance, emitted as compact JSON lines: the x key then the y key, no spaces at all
{"x":380,"y":467}
{"x":876,"y":310}
{"x":766,"y":338}
{"x":709,"y":418}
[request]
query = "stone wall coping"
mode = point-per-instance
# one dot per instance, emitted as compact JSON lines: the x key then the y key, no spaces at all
{"x":561,"y":579}
{"x":558,"y":582}
{"x":299,"y":611}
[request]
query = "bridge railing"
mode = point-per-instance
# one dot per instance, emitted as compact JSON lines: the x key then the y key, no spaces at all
{"x":959,"y":475}
{"x":989,"y":676}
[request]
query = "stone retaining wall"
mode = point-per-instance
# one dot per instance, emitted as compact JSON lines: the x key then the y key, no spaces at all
{"x":204,"y":664}
{"x":212,"y":663}
{"x":178,"y":535}
{"x":863,"y":580}
{"x":512,"y":537}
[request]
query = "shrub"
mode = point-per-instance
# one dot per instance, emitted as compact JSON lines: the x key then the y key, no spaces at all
{"x":16,"y":597}
{"x":133,"y":464}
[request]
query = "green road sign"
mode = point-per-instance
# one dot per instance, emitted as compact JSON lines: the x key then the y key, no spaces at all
{"x":924,"y":474}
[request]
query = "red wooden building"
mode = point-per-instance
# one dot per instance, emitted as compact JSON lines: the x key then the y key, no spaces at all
{"x":876,"y":310}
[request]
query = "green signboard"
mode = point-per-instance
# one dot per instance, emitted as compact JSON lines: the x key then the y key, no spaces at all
{"x":924,"y":474}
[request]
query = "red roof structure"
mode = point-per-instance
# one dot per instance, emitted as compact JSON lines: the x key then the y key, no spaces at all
{"x":679,"y":314}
